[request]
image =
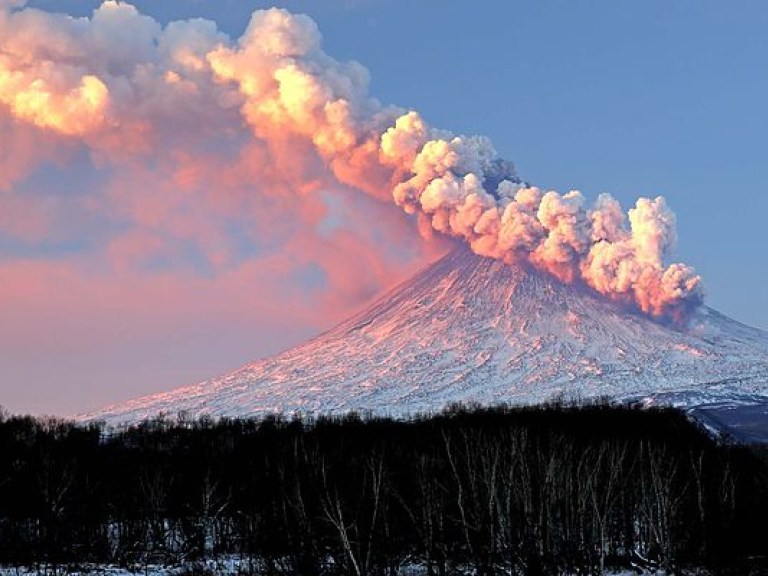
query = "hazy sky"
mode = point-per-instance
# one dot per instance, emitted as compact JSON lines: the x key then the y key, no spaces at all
{"x":118,"y":280}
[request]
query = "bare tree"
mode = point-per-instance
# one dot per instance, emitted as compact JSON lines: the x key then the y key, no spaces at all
{"x":212,"y":502}
{"x":356,"y":522}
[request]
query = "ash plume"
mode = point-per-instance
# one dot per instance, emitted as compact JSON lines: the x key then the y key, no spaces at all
{"x":125,"y":87}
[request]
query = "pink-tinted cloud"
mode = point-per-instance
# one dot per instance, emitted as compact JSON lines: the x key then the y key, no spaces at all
{"x":170,"y":101}
{"x":256,"y":173}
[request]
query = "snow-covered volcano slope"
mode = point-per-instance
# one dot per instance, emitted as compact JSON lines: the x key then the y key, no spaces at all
{"x":472,"y":329}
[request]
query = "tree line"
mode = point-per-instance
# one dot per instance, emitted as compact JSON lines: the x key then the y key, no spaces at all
{"x":539,"y":490}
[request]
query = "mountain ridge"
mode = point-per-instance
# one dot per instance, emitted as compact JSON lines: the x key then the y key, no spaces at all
{"x":472,"y":329}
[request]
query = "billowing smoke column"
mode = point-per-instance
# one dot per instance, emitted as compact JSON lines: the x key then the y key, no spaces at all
{"x":119,"y":81}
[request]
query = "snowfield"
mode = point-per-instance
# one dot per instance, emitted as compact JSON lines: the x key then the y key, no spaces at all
{"x":470,"y":329}
{"x":225,"y":567}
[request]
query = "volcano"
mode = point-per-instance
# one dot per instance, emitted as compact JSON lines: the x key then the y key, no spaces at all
{"x":474,"y":330}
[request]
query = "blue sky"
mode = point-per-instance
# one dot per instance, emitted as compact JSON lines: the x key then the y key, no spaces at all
{"x":636,"y":99}
{"x":629,"y":98}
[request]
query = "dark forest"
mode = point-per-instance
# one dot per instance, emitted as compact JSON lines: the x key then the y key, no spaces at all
{"x":544,"y":490}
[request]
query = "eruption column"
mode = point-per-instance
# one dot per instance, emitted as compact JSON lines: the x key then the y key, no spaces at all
{"x":111,"y":83}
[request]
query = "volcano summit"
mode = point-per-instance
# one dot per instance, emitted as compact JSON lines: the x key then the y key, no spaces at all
{"x":472,"y":329}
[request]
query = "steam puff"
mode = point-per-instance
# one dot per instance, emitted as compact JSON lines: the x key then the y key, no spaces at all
{"x":465,"y":190}
{"x":117,"y":82}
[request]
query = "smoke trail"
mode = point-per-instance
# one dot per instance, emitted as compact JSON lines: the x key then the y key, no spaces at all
{"x":122,"y":84}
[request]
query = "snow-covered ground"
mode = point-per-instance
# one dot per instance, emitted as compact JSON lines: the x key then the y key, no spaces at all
{"x":227,"y":567}
{"x":470,"y":329}
{"x":219,"y":567}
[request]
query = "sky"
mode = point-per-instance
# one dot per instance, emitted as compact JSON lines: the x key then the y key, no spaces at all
{"x":139,"y":259}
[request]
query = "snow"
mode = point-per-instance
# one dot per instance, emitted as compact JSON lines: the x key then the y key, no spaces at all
{"x":471,"y":329}
{"x":222,"y":567}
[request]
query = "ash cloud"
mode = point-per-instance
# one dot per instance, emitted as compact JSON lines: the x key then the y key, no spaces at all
{"x":129,"y":89}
